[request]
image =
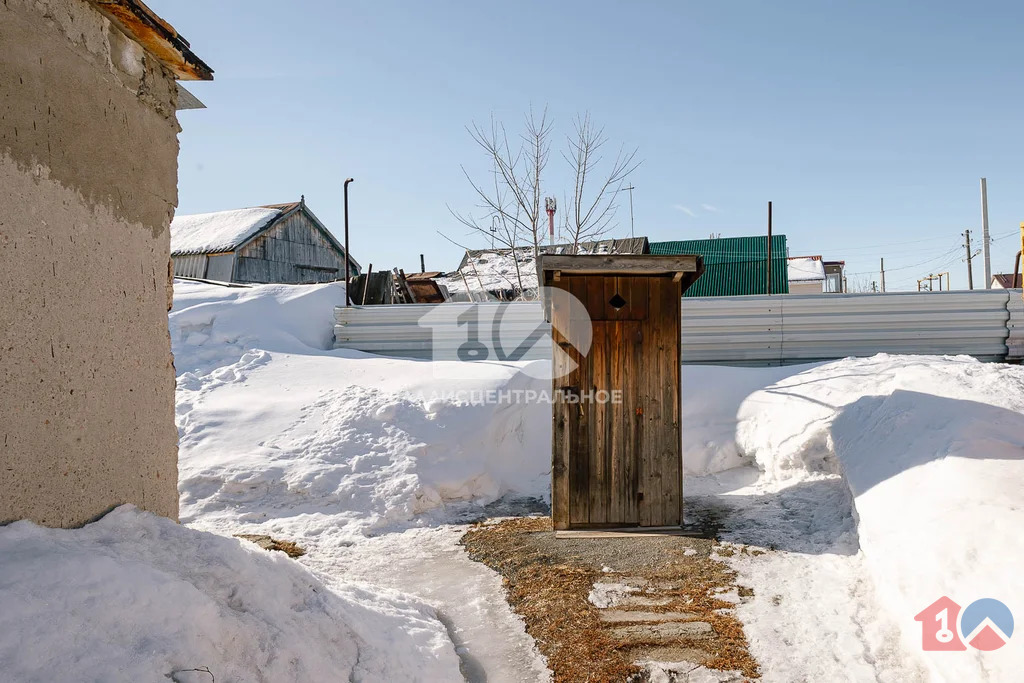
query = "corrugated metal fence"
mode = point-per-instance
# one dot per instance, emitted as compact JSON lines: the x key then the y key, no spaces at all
{"x":741,"y":330}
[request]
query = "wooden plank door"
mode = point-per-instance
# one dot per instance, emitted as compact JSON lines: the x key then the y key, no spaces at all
{"x":661,"y":478}
{"x":604,"y":470}
{"x":618,"y":463}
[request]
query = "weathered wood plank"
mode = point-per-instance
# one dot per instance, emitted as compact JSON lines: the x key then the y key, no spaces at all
{"x":579,"y":444}
{"x":598,"y":437}
{"x":561,"y":438}
{"x":635,"y":416}
{"x":620,"y":264}
{"x":672,"y":454}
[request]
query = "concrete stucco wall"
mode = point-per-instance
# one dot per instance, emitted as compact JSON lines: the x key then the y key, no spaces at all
{"x":805,"y":287}
{"x":88,"y":178}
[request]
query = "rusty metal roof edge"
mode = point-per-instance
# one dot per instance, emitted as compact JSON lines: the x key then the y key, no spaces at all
{"x":156,"y":36}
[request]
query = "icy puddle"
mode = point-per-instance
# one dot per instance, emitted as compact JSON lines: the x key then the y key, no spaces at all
{"x":428,"y":563}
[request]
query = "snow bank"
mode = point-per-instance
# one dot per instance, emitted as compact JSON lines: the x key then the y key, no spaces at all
{"x":932,"y":450}
{"x":274,"y":426}
{"x":213,"y":326}
{"x":204,"y":233}
{"x":711,"y":401}
{"x":140,"y":598}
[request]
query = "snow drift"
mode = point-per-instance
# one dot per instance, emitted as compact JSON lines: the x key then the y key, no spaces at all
{"x":275,"y":426}
{"x":140,"y":598}
{"x":932,"y":452}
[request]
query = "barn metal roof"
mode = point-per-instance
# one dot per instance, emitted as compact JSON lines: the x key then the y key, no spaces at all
{"x":733,"y":265}
{"x":225,"y":231}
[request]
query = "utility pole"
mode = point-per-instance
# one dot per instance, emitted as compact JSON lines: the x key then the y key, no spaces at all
{"x":768,"y":287}
{"x":970,"y":273}
{"x":874,"y":286}
{"x":630,"y":188}
{"x":882,"y":266}
{"x":984,"y":233}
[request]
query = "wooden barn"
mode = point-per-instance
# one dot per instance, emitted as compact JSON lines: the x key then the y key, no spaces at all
{"x":274,"y":243}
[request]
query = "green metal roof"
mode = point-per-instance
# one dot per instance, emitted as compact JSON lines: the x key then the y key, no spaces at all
{"x":733,"y":265}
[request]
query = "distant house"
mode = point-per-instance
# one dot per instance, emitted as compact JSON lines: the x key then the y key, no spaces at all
{"x":806,"y":274}
{"x":274,"y":243}
{"x":507,"y":275}
{"x":1004,"y":281}
{"x":835,"y":277}
{"x":733,"y":265}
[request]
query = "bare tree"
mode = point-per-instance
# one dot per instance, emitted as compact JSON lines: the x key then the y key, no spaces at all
{"x":590,"y":211}
{"x":515,"y":200}
{"x":860,"y":283}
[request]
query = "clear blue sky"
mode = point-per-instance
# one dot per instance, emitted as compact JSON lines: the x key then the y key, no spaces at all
{"x":868,"y":124}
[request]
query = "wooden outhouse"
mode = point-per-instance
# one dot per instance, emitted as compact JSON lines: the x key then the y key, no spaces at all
{"x":616,"y":442}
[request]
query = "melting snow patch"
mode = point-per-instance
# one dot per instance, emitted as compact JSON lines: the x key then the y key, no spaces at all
{"x":605,"y":594}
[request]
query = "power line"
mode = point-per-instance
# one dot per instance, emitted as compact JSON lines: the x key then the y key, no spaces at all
{"x":913,"y":265}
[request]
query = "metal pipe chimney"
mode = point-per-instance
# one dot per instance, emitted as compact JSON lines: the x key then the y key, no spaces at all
{"x":348,"y":299}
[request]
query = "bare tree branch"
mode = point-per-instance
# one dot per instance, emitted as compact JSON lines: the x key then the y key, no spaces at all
{"x":591,"y":209}
{"x":512,"y":206}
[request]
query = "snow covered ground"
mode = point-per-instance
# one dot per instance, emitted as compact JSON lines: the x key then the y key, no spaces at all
{"x":880,"y":483}
{"x":342,"y":452}
{"x":135,"y":597}
{"x":884,"y":483}
{"x":876,"y":485}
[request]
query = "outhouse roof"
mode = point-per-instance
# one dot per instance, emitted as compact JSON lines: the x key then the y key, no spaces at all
{"x":685,"y":267}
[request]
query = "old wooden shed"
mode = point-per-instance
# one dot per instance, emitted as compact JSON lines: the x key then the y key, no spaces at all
{"x":616,"y":443}
{"x":273,"y":243}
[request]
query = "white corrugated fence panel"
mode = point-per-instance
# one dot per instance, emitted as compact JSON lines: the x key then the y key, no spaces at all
{"x":838,"y":325}
{"x":746,"y":330}
{"x":1015,"y":325}
{"x":732,"y":329}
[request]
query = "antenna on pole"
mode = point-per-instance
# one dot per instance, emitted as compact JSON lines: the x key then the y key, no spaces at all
{"x":632,"y":233}
{"x":494,"y":229}
{"x":550,"y":205}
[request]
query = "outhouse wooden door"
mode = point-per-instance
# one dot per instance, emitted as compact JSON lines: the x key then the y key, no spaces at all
{"x":617,"y":450}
